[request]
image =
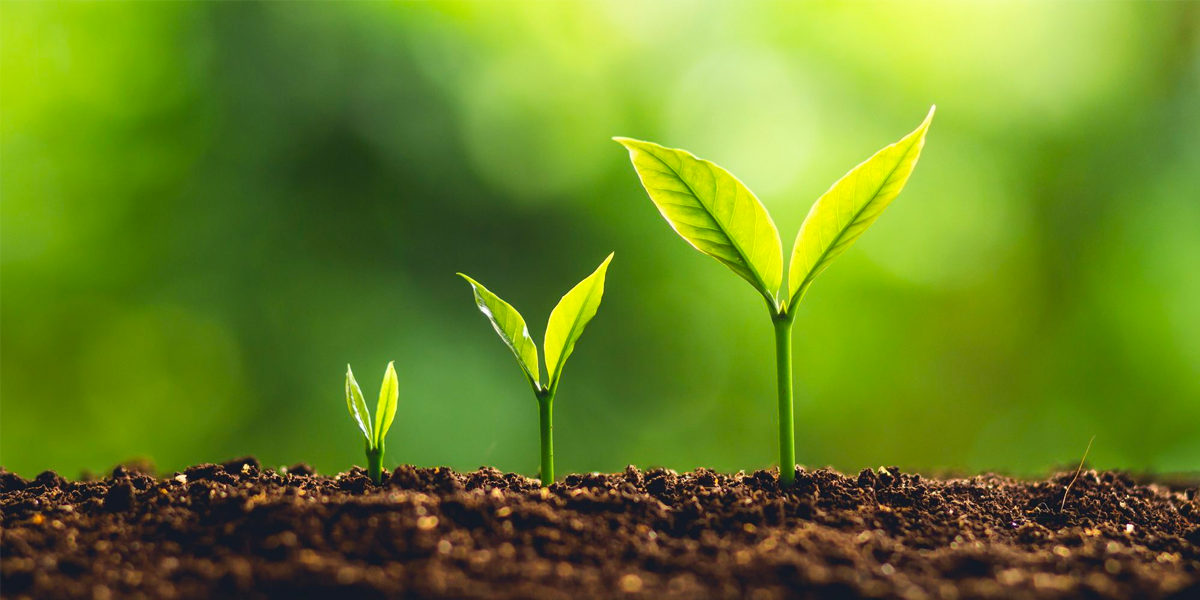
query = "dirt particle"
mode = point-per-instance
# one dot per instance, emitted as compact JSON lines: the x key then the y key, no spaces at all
{"x":631,"y":584}
{"x":119,"y":497}
{"x":11,"y":482}
{"x":564,"y":570}
{"x":300,"y":470}
{"x":49,"y":479}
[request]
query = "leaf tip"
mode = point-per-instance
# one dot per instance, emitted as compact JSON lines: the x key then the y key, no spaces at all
{"x":629,"y":143}
{"x":392,"y":381}
{"x":603,"y":268}
{"x":390,"y":374}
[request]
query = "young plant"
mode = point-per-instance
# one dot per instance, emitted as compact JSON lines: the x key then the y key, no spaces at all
{"x":385,"y":412}
{"x":719,"y":216}
{"x":566,"y":324}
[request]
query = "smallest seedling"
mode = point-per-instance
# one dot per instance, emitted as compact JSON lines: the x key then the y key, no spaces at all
{"x":385,"y":411}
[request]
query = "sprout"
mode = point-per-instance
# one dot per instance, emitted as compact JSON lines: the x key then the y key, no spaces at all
{"x":719,"y":216}
{"x":567,"y":322}
{"x":385,"y":412}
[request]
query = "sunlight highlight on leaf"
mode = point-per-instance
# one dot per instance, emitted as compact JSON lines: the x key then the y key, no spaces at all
{"x":357,"y":405}
{"x":569,"y":318}
{"x":509,"y":324}
{"x":385,"y":410}
{"x":842,"y":214}
{"x":714,"y":211}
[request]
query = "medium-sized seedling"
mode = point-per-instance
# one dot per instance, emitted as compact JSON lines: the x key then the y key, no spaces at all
{"x":567,"y":321}
{"x":385,"y":412}
{"x":719,"y":216}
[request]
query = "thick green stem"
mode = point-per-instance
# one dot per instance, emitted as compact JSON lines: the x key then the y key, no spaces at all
{"x":783,"y":368}
{"x":546,"y":414}
{"x":375,"y":463}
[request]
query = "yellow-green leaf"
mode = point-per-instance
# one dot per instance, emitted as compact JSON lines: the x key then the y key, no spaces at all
{"x":385,"y":410}
{"x":843,"y":213}
{"x":714,"y":211}
{"x":357,"y":405}
{"x":509,"y":324}
{"x":568,"y":319}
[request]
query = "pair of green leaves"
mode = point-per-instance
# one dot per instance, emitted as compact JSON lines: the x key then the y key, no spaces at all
{"x":719,"y":216}
{"x":385,"y":409}
{"x":566,"y":324}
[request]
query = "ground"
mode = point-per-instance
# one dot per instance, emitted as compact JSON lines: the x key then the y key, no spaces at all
{"x":239,"y":530}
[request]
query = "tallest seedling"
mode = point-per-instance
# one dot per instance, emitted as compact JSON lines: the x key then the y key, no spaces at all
{"x":719,"y":216}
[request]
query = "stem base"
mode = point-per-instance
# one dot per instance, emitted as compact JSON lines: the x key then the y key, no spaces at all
{"x":375,"y":463}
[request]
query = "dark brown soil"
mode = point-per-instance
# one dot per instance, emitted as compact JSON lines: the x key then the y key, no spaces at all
{"x":235,"y":530}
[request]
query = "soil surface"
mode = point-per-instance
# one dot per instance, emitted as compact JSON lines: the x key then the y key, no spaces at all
{"x":237,"y":530}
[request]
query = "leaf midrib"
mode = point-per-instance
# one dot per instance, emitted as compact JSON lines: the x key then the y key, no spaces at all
{"x":762,"y":285}
{"x":553,"y":383}
{"x":479,"y":291}
{"x":809,"y":277}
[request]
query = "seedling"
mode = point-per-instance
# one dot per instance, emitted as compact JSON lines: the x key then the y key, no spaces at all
{"x":566,"y":324}
{"x":385,"y":412}
{"x":718,"y":215}
{"x":1078,"y":469}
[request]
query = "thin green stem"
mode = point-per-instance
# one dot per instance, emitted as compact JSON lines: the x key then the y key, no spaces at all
{"x":546,"y":414}
{"x":375,"y":462}
{"x":783,"y":368}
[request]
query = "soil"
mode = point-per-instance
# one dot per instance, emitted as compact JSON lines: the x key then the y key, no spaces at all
{"x":237,"y":530}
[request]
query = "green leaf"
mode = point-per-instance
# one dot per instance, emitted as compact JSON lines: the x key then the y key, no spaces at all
{"x":509,"y":324}
{"x":357,"y":405}
{"x":568,"y":319}
{"x":717,"y":214}
{"x":385,"y":410}
{"x":843,"y":213}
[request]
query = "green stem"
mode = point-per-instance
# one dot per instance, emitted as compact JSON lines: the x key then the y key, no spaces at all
{"x":783,"y":367}
{"x":375,"y":463}
{"x":546,"y":414}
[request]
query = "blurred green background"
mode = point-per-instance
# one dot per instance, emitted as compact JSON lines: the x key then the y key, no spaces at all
{"x":208,"y":209}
